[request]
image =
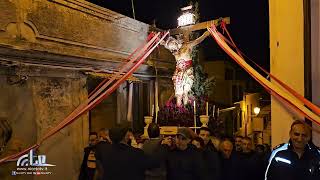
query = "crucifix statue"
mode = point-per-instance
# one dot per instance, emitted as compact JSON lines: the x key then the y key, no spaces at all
{"x":181,"y":48}
{"x":183,"y":76}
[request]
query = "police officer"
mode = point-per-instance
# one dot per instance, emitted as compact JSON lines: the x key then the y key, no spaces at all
{"x":297,"y":159}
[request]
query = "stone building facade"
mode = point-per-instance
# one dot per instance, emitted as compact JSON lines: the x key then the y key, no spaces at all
{"x":46,"y":48}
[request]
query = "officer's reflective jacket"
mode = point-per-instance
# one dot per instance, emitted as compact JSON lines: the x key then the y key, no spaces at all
{"x":284,"y":164}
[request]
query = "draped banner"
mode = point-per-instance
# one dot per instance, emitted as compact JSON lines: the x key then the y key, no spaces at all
{"x":285,"y":94}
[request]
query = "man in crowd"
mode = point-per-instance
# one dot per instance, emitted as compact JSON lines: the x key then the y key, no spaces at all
{"x":205,"y":133}
{"x":260,"y":161}
{"x":226,"y":148}
{"x":238,"y":143}
{"x":245,"y":164}
{"x":121,"y":161}
{"x":210,"y":154}
{"x":227,"y":164}
{"x":185,"y":162}
{"x":198,"y":143}
{"x":246,"y":146}
{"x":88,"y":166}
{"x":150,"y":147}
{"x":104,"y":136}
{"x":297,"y":159}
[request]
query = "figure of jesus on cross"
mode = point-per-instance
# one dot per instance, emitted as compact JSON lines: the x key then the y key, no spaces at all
{"x":183,"y":76}
{"x":181,"y":49}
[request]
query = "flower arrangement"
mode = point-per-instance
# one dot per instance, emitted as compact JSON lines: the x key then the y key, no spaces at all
{"x":173,"y":115}
{"x":183,"y":116}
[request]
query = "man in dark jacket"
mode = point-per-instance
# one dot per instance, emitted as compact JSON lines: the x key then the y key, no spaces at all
{"x":238,"y":143}
{"x":185,"y":162}
{"x":104,"y":136}
{"x":210,"y":154}
{"x":150,"y":147}
{"x":297,"y":159}
{"x":120,"y":161}
{"x":245,"y":162}
{"x":88,"y":166}
{"x":227,"y":160}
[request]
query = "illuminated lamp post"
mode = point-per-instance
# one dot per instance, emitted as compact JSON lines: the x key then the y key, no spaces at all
{"x":256,"y":111}
{"x":187,"y":17}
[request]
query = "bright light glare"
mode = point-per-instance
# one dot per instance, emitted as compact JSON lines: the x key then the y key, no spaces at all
{"x":186,"y":19}
{"x":256,"y":110}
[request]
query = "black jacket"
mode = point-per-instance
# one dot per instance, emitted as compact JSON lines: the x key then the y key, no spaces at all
{"x":212,"y":162}
{"x":85,"y":173}
{"x":210,"y":147}
{"x":185,"y":165}
{"x":121,"y":162}
{"x":227,"y":167}
{"x":284,"y":163}
{"x":246,"y":166}
{"x":150,"y":147}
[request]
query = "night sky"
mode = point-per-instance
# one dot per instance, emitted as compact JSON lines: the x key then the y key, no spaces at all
{"x":249,"y":22}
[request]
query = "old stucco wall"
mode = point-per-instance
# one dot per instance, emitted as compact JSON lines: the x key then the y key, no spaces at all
{"x":97,"y":37}
{"x":17,"y":107}
{"x":58,"y":97}
{"x":37,"y":105}
{"x":69,"y":27}
{"x":62,"y":33}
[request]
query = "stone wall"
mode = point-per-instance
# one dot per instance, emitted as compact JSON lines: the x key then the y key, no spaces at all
{"x":57,"y":97}
{"x":95,"y":37}
{"x":17,"y":107}
{"x":36,"y":105}
{"x":54,"y":41}
{"x":70,"y":27}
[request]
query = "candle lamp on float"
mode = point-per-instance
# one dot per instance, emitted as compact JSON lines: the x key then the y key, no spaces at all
{"x":148,"y":121}
{"x":204,"y":119}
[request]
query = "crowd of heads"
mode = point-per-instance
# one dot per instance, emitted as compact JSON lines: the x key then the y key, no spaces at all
{"x":234,"y":151}
{"x":185,"y":136}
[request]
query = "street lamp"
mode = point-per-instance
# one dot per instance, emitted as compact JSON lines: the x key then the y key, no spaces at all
{"x":187,"y":17}
{"x":256,"y":110}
